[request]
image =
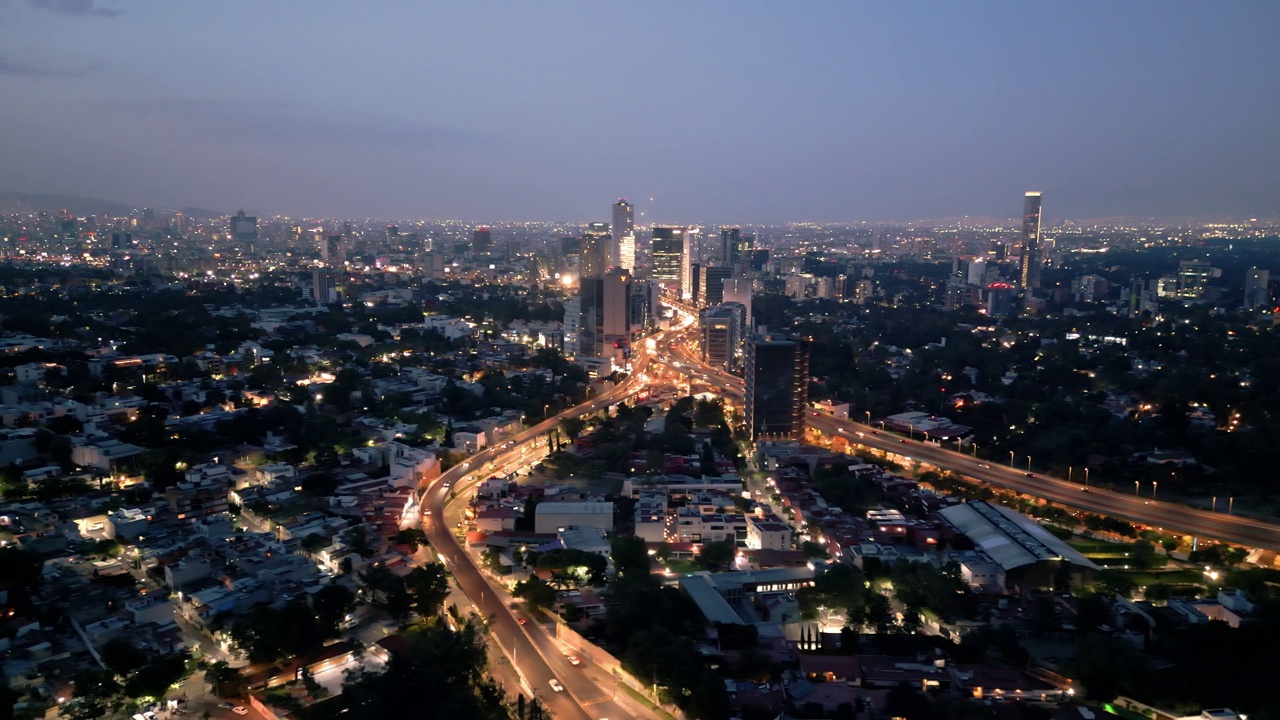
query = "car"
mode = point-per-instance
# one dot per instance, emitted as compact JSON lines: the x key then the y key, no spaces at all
{"x":522,"y":621}
{"x":984,"y":465}
{"x":225,"y":706}
{"x":427,"y":511}
{"x":555,"y":685}
{"x":1030,"y":474}
{"x":902,"y":440}
{"x":574,"y":661}
{"x":1087,"y":490}
{"x":240,"y":710}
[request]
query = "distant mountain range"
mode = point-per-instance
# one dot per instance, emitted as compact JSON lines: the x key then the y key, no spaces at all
{"x":27,"y":202}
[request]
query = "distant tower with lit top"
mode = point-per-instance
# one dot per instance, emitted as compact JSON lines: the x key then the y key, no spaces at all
{"x":1030,"y":276}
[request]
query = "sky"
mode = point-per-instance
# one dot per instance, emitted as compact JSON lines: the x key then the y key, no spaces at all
{"x":737,"y":111}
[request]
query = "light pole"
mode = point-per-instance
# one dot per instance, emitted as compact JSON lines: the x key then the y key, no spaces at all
{"x":1135,"y":487}
{"x":1069,"y":469}
{"x":1086,"y":477}
{"x":975,"y":450}
{"x":1010,"y":458}
{"x":1028,"y":464}
{"x":868,"y":417}
{"x":1155,"y":485}
{"x":1231,"y":503}
{"x":1214,"y":506}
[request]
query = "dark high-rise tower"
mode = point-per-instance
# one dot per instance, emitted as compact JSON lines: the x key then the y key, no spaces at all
{"x":777,"y":383}
{"x":1030,"y":278}
{"x":244,"y":232}
{"x":481,"y":240}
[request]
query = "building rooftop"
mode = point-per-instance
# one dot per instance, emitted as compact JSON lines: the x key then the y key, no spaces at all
{"x":1008,"y":537}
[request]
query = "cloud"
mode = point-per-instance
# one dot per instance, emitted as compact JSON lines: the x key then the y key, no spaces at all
{"x":74,"y":7}
{"x":21,"y":69}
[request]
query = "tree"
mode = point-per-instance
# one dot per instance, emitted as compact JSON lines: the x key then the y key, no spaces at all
{"x":428,"y":588}
{"x":268,"y":634}
{"x":710,"y":699}
{"x":572,"y":427}
{"x":715,"y":555}
{"x":121,"y":657}
{"x":222,"y":678}
{"x":414,"y":537}
{"x":535,"y":592}
{"x":630,"y":555}
{"x":331,"y":605}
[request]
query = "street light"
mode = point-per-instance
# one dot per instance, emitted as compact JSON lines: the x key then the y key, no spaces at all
{"x":1135,"y":487}
{"x":1010,"y":458}
{"x":1086,"y":477}
{"x":1155,"y":485}
{"x":868,"y":417}
{"x":975,"y":449}
{"x":1028,"y":464}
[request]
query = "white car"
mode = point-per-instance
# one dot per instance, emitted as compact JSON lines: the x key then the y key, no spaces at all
{"x":240,"y":710}
{"x":555,"y":685}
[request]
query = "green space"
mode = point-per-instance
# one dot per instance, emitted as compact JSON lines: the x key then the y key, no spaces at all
{"x":643,"y":700}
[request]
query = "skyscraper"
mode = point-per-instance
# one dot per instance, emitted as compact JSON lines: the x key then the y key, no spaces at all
{"x":481,"y":240}
{"x":624,"y":227}
{"x":777,"y":384}
{"x":605,"y":314}
{"x":711,"y":285}
{"x":668,"y":255}
{"x":244,"y":232}
{"x":719,"y":329}
{"x":1030,"y":242}
{"x":595,"y":257}
{"x":737,"y":249}
{"x":324,"y":286}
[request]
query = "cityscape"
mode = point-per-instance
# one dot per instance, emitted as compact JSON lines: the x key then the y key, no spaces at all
{"x":997,"y":451}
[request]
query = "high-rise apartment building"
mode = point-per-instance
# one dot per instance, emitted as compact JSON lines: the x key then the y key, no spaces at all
{"x":777,"y":384}
{"x":738,"y":290}
{"x":324,"y":286}
{"x":482,"y":240}
{"x":1030,"y":276}
{"x":624,"y":228}
{"x":668,"y":256}
{"x":1194,"y":277}
{"x":596,"y":254}
{"x":627,"y":252}
{"x":1257,"y":288}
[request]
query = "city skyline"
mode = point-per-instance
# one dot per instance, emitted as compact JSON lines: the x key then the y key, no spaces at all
{"x":826,"y":113}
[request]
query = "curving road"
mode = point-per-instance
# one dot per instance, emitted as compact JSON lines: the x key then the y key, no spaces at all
{"x":531,"y":648}
{"x":1168,"y":516}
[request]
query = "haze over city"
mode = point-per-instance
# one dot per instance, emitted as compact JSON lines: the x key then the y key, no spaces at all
{"x":718,"y":111}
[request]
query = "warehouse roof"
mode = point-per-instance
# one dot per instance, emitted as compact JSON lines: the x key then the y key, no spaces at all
{"x":1008,"y":537}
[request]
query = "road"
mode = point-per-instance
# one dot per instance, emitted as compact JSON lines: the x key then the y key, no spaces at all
{"x":532,"y":650}
{"x":1167,"y":516}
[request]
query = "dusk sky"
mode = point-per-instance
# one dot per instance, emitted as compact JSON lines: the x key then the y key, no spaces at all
{"x":749,"y":112}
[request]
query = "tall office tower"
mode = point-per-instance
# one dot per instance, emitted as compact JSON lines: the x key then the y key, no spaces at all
{"x":66,"y":225}
{"x":737,"y":249}
{"x":644,"y":300}
{"x":996,"y":249}
{"x":391,"y":233}
{"x":668,"y":257}
{"x":324,"y":286}
{"x":180,"y":221}
{"x":691,"y":288}
{"x":738,"y":290}
{"x":605,"y":325}
{"x":730,"y":237}
{"x":977,"y":270}
{"x":244,"y":232}
{"x":999,"y":299}
{"x":572,"y":323}
{"x":432,"y":266}
{"x":689,"y":267}
{"x":739,"y":312}
{"x":719,"y":329}
{"x":777,"y":383}
{"x":1030,"y":242}
{"x":711,"y":284}
{"x":596,"y":255}
{"x":481,"y":240}
{"x":1194,"y":277}
{"x":1257,"y":291}
{"x":627,"y":252}
{"x":624,"y":226}
{"x":514,"y":248}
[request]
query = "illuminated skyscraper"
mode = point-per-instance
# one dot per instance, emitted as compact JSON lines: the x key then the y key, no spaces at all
{"x":1030,"y":278}
{"x":624,"y":227}
{"x":668,"y":256}
{"x":1257,"y":288}
{"x":777,"y":384}
{"x":605,"y":320}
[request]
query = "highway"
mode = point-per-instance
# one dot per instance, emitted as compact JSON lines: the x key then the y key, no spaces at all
{"x":1162,"y":515}
{"x":529,"y":646}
